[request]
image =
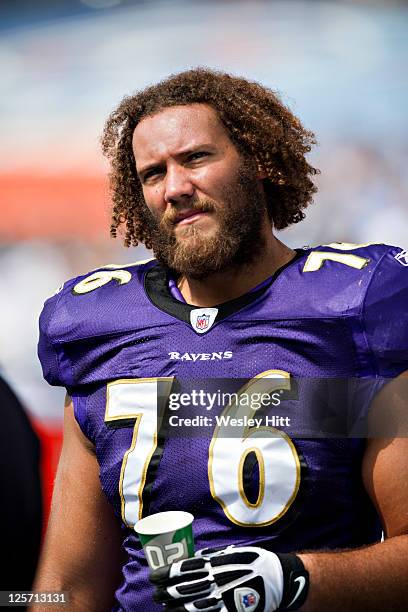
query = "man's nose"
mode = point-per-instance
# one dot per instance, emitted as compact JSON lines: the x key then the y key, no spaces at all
{"x":178,"y":185}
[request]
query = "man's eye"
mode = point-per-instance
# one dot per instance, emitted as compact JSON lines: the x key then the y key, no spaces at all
{"x":151,"y":174}
{"x":197,"y":155}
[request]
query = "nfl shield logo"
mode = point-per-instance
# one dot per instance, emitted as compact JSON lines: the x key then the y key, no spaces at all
{"x":249,"y":600}
{"x":202,"y":321}
{"x":246,"y":599}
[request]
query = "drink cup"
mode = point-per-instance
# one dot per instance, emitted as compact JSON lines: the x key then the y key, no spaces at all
{"x":166,"y":537}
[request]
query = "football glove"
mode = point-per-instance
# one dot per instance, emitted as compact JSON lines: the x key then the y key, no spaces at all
{"x":237,"y":579}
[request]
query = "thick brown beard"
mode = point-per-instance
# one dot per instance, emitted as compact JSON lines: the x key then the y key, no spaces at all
{"x":238,"y":240}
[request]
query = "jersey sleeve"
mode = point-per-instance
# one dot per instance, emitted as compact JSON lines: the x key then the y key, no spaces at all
{"x":55,"y":365}
{"x":50,"y":352}
{"x":385,"y":314}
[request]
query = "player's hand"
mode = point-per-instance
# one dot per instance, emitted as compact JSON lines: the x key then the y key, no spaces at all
{"x":238,"y":579}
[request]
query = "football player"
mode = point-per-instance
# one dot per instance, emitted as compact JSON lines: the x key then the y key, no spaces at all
{"x":205,"y":166}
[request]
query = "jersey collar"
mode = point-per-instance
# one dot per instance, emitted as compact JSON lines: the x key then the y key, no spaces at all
{"x":156,"y":284}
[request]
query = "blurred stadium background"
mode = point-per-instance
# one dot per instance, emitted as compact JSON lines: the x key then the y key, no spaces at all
{"x":339,"y":65}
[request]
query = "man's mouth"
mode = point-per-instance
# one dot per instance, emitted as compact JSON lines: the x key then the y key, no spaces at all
{"x":188,"y":216}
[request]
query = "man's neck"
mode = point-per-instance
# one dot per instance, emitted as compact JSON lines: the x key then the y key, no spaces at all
{"x":227,"y":285}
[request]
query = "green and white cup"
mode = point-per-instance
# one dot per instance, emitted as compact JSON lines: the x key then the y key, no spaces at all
{"x":166,"y":537}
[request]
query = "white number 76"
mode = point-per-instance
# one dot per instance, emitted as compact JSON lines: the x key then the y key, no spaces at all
{"x":278,"y":461}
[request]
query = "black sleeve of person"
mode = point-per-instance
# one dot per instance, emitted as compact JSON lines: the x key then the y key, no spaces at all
{"x":295,"y":582}
{"x":21,"y":500}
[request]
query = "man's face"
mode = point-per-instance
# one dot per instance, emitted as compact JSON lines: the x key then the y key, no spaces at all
{"x":207,"y":208}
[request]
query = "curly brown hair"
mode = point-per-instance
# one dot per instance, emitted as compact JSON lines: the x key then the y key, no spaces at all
{"x":257,"y":122}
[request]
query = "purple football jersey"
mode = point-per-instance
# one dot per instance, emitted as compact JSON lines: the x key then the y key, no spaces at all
{"x":137,"y":361}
